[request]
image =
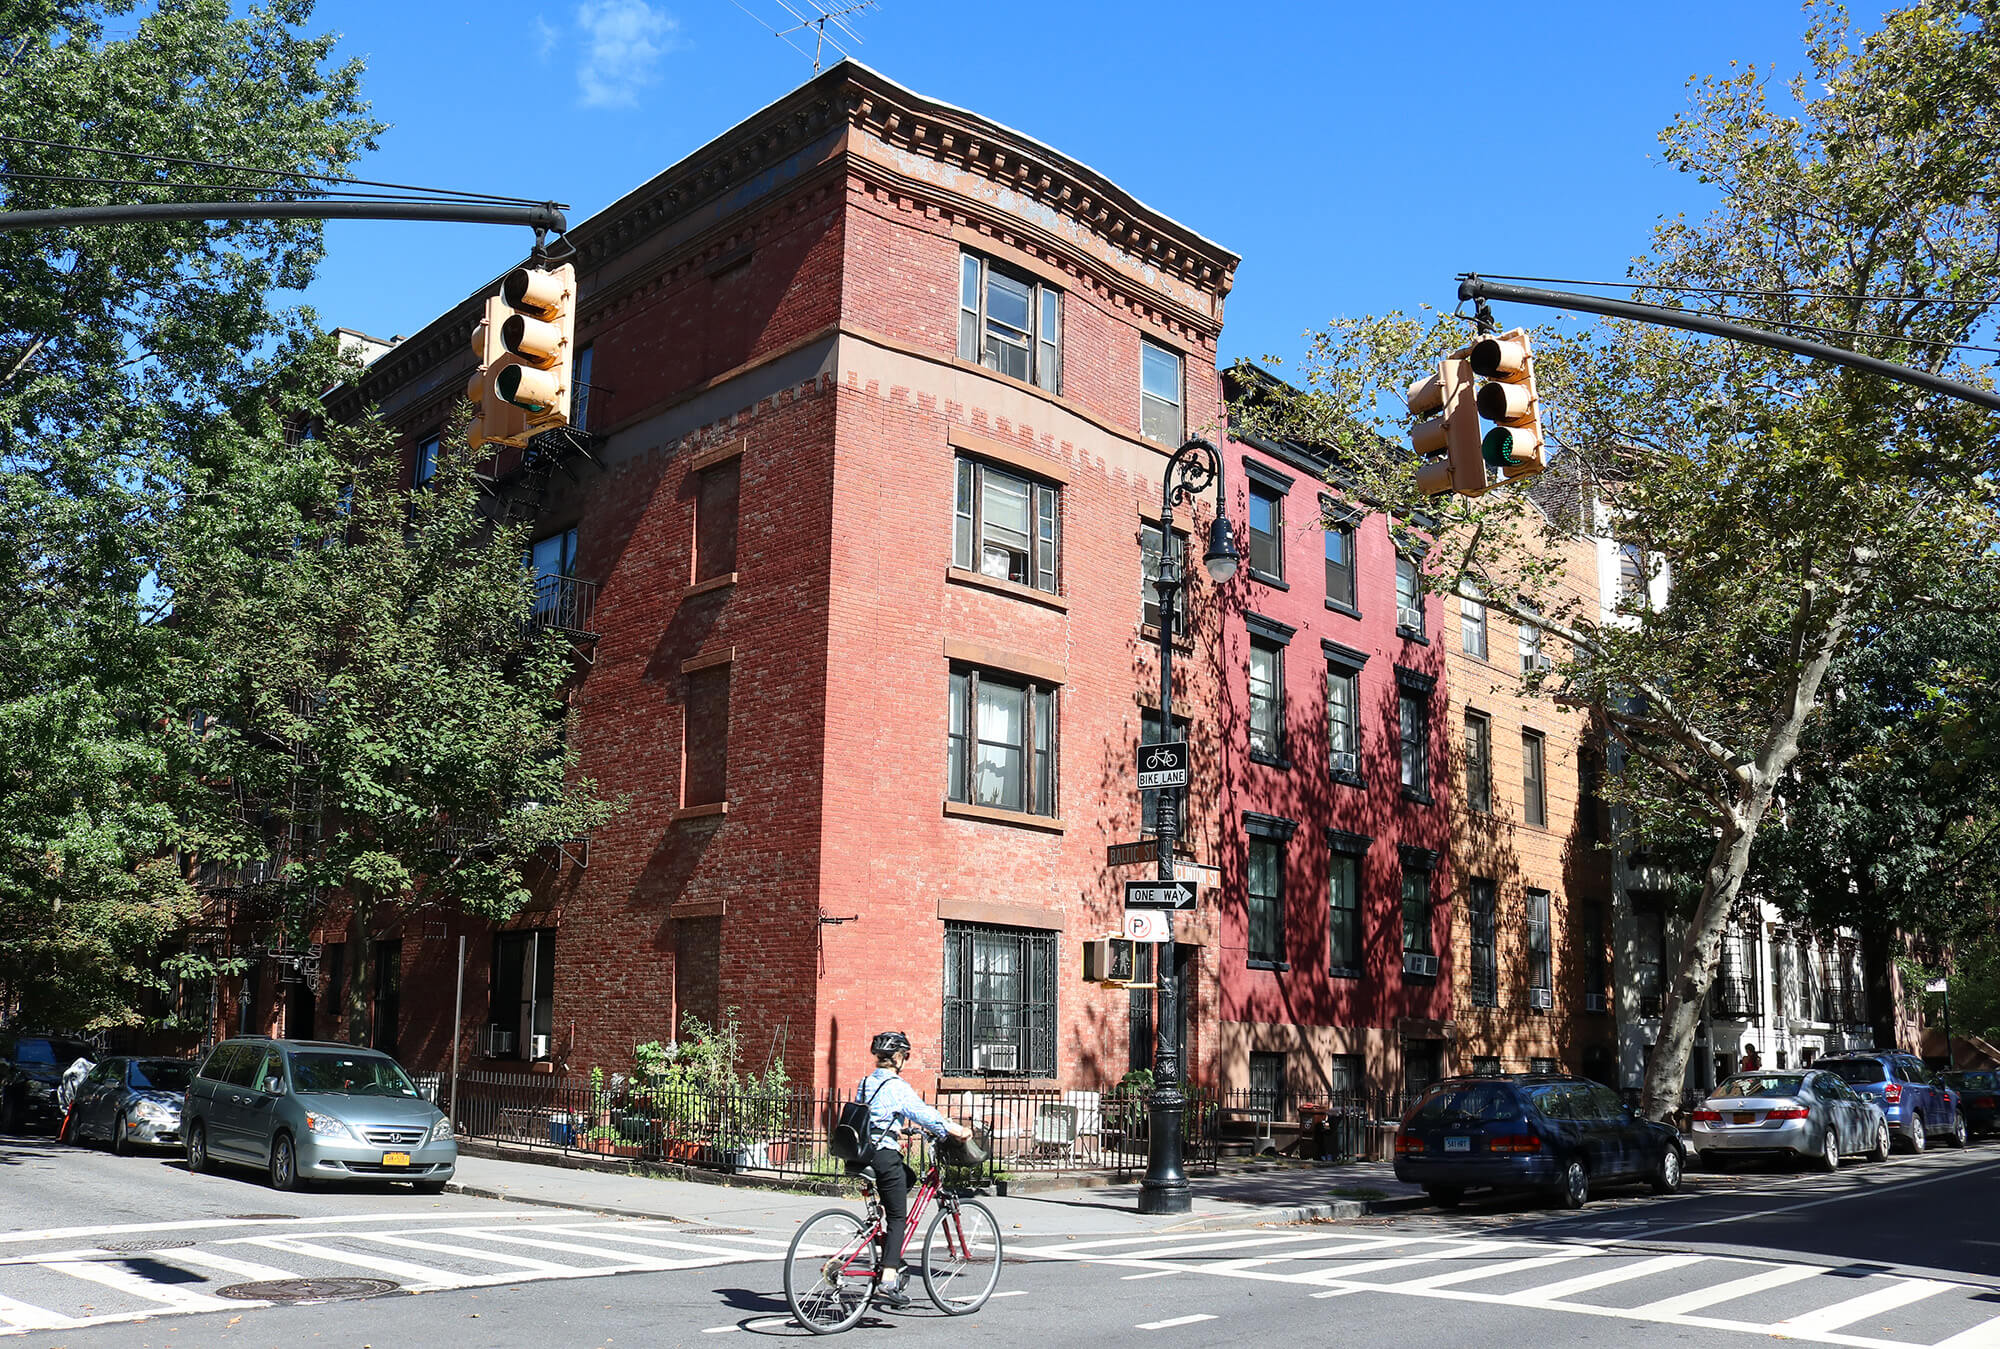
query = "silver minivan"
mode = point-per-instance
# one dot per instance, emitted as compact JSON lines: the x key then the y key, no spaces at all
{"x":314,"y":1110}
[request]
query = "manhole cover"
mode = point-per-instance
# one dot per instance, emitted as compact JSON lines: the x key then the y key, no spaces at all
{"x":307,"y":1290}
{"x":715,"y":1231}
{"x":259,"y":1217}
{"x":141,"y":1246}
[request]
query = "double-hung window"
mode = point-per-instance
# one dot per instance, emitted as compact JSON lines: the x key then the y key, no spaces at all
{"x":1416,"y":910}
{"x":1264,"y":887}
{"x":1343,"y":902}
{"x":1001,"y":750}
{"x":1413,"y":719}
{"x":1267,"y":533}
{"x":1149,"y":575}
{"x":1478,"y":763}
{"x":1007,"y":526}
{"x":1485,"y":944}
{"x":1534,"y":785}
{"x":523,"y":993}
{"x":1343,"y":721}
{"x":1541,"y":974}
{"x":1340,"y":566}
{"x":999,"y":1001}
{"x":1409,"y":599}
{"x":552,"y":559}
{"x":426,"y":466}
{"x":1472,"y":623}
{"x":1532,"y":657}
{"x":1160,"y":416}
{"x":579,"y":390}
{"x":1267,"y":700}
{"x":1010,"y":322}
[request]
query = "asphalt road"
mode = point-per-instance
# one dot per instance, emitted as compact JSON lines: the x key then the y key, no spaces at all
{"x":102,"y":1251}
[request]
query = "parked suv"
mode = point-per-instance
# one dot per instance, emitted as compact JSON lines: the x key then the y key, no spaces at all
{"x":1917,"y":1107}
{"x":312,"y":1110}
{"x":29,"y":1071}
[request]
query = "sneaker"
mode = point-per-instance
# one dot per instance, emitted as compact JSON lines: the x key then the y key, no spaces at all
{"x":890,"y":1292}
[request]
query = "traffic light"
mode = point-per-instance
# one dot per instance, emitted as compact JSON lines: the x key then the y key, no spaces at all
{"x":494,"y":421}
{"x":1447,"y":440}
{"x":540,"y":331}
{"x":1507,"y":362}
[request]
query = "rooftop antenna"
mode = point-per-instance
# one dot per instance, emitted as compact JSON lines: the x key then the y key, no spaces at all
{"x":816,"y":16}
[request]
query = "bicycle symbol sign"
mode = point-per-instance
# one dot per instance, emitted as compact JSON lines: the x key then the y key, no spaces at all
{"x":1163,"y":765}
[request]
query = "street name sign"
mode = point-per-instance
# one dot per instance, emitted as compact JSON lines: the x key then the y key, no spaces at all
{"x":1159,"y":894}
{"x":1163,"y":765}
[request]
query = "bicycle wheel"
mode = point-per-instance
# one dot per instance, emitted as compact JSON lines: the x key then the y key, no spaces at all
{"x":962,"y":1257}
{"x":829,"y":1271}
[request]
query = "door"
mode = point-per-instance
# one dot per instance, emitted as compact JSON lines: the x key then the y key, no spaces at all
{"x":260,"y":1105}
{"x":1627,"y":1145}
{"x":229,"y":1119}
{"x":96,"y":1098}
{"x":1940,"y":1104}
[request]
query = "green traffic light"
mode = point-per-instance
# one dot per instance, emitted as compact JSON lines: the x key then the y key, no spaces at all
{"x":1498,"y":447}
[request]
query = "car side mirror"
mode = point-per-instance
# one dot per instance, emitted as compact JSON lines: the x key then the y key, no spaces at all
{"x":274,"y":1084}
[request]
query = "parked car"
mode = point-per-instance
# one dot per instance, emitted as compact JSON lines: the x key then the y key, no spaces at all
{"x":1978,"y":1093}
{"x":28,"y":1076}
{"x":1531,"y":1131}
{"x":128,"y":1103}
{"x":1811,"y":1115}
{"x":311,"y":1110}
{"x":1918,"y":1109}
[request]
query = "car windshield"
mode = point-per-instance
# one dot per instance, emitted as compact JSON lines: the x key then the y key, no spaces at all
{"x":331,"y":1074}
{"x":1861,"y":1072}
{"x":1758,"y":1084}
{"x":159,"y":1074}
{"x":39,"y":1050}
{"x":1483,"y":1101}
{"x":1973,"y":1081}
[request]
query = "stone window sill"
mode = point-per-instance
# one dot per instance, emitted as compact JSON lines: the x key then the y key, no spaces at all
{"x":1340,"y":608}
{"x":1013,"y":589}
{"x":965,"y":810}
{"x":1150,"y":634}
{"x":711,"y":585}
{"x":711,"y":810}
{"x":1265,"y":578}
{"x":1279,"y":966}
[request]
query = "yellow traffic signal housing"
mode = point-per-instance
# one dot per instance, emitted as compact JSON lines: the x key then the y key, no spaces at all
{"x":1515,"y":444}
{"x":539,"y":331}
{"x":1110,"y":960}
{"x":1447,"y":440}
{"x":494,"y":420}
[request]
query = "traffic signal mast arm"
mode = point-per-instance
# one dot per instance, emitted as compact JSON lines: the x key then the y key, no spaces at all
{"x":1473,"y":287}
{"x":546,"y":216}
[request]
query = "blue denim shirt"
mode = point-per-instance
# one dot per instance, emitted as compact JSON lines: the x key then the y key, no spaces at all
{"x":890,"y":1099}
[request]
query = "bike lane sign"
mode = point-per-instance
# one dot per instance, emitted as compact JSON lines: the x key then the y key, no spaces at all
{"x":1163,"y":765}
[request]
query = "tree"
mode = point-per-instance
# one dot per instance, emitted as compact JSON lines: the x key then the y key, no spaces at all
{"x":1788,"y":505}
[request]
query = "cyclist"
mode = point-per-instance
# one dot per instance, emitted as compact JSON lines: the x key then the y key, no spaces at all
{"x":894,"y":1107}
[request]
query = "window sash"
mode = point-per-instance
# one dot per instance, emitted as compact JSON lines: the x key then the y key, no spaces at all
{"x":1001,"y":743}
{"x":1530,"y":641}
{"x":1409,"y":597}
{"x":1344,"y":914}
{"x":1267,"y":701}
{"x":1485,"y":944}
{"x":579,"y":389}
{"x":427,"y":461}
{"x":1265,"y":892}
{"x":1006,"y":526}
{"x":1009,"y":323}
{"x":1413,"y":722}
{"x":1472,"y":627}
{"x":1343,"y":721}
{"x":1340,"y":566}
{"x":1534,"y":796}
{"x":1417,"y":911}
{"x":1267,"y":532}
{"x":1478,"y":764}
{"x":1159,"y":394}
{"x":1540,"y":955}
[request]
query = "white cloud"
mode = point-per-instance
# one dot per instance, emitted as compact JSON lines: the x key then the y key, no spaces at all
{"x":623,"y":43}
{"x":546,"y":37}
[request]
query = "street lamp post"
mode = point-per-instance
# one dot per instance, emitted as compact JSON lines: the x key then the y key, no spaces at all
{"x":1192,"y":468}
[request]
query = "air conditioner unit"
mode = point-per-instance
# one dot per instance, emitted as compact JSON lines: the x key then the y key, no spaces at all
{"x":1418,"y":962}
{"x":1346,"y":761}
{"x":997,"y":1058}
{"x":1596,"y":1002}
{"x":495,"y":1041}
{"x":1541,"y":999}
{"x":538,"y":1047}
{"x":1413,"y":619}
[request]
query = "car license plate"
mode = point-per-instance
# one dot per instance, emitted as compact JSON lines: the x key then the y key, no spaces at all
{"x":1458,"y":1144}
{"x":1744,"y":1117}
{"x":395,"y":1159}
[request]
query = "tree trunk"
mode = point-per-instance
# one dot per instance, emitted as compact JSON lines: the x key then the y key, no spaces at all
{"x":361,"y":969}
{"x":1686,"y":994}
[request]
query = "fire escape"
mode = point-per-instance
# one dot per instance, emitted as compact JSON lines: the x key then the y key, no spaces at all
{"x":516,"y":487}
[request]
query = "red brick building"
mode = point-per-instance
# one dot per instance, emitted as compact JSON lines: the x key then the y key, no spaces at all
{"x":880,"y":395}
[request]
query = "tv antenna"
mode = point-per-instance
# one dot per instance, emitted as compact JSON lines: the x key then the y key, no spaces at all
{"x":816,"y":17}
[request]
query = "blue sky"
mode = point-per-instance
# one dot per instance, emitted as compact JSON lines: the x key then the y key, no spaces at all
{"x":1356,"y":156}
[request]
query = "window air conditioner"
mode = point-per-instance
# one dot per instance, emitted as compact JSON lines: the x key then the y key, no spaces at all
{"x":1346,"y":761}
{"x":1413,"y":619}
{"x":1541,"y":999}
{"x":496,"y":1041}
{"x":1418,"y":962}
{"x":538,"y":1047}
{"x":997,"y":1058}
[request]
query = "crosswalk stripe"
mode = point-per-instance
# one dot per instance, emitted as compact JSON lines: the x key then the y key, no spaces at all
{"x":1470,"y":1248}
{"x":246,"y":1269}
{"x":1097,"y":1243}
{"x":732,"y":1238}
{"x":1309,"y":1253}
{"x":140,"y":1287}
{"x":1899,"y":1294}
{"x":1458,"y":1276}
{"x":722,"y":1252}
{"x":404,"y":1270}
{"x":27,"y":1316}
{"x":629,"y":1258}
{"x":1985,"y":1335}
{"x":1175,"y":1321}
{"x":1728,"y":1290}
{"x":1604,"y":1278}
{"x":451,"y":1248}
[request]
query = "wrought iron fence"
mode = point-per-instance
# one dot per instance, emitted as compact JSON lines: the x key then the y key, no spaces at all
{"x":1057,"y":1129}
{"x":564,"y":604}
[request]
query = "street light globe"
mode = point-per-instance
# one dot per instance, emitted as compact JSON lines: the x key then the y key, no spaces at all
{"x":1221,"y":557}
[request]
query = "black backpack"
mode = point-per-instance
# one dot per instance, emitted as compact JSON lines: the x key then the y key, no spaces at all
{"x":850,"y":1140}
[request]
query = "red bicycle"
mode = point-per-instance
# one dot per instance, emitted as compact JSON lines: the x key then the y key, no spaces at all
{"x":832,"y":1268}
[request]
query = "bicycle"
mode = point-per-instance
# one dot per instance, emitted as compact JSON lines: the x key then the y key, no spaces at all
{"x":832,"y":1269}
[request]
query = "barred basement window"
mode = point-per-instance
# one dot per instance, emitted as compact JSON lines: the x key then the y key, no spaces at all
{"x":999,"y":1001}
{"x":1001,"y":748}
{"x":1009,"y":322}
{"x":1007,"y":526}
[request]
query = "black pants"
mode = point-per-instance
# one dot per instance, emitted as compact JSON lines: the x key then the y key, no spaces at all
{"x":893,"y":1179}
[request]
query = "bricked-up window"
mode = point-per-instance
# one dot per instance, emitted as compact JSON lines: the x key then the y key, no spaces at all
{"x":1149,"y":574}
{"x":1265,"y":884}
{"x":1007,"y":526}
{"x":1340,"y":566}
{"x":1413,"y":724}
{"x":1343,"y":721}
{"x":1343,"y":903}
{"x":1149,"y":802}
{"x":999,"y":1001}
{"x":1010,"y":322}
{"x":1001,"y":748}
{"x":1267,"y":533}
{"x":426,"y":466}
{"x":1534,"y":790}
{"x":1409,"y":599}
{"x":1472,"y":623}
{"x":705,"y":738}
{"x":523,"y":988}
{"x":1540,"y":956}
{"x":1485,"y":943}
{"x":1478,"y":763}
{"x":718,"y":489}
{"x":1267,"y":701}
{"x":1159,"y":394}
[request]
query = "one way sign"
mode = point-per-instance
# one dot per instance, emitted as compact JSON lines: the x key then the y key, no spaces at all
{"x":1159,"y":894}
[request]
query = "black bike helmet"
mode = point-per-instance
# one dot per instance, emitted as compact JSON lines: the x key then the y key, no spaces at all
{"x":889,"y":1042}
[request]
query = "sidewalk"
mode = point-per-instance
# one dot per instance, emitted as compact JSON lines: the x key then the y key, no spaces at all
{"x":1236,"y":1198}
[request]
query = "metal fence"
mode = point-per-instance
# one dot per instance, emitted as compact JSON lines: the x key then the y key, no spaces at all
{"x":1056,"y":1129}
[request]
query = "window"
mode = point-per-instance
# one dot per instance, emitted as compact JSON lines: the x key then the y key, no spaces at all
{"x":1632,"y":580}
{"x":1344,"y":1075}
{"x":523,"y":990}
{"x":1472,"y":624}
{"x":1007,"y":526}
{"x":1343,"y":900}
{"x":999,"y":1001}
{"x":426,"y":465}
{"x":1149,"y":802}
{"x":1343,"y":721}
{"x":705,"y":738}
{"x":1001,"y":749}
{"x":552,"y":560}
{"x":1649,"y":950}
{"x":1340,"y":567}
{"x":1532,"y":658}
{"x":1010,"y":323}
{"x":1413,"y":717}
{"x":1596,"y":958}
{"x":1267,"y":701}
{"x":1486,"y":1065}
{"x":1267,"y":533}
{"x":1597,"y":1102}
{"x":1540,"y":973}
{"x":1534,"y":793}
{"x":1409,"y":599}
{"x":1478,"y":763}
{"x":718,"y":491}
{"x":1266,"y":900}
{"x":1416,"y":909}
{"x":1267,"y":1082}
{"x":579,"y":391}
{"x":1149,"y":575}
{"x":1160,"y":394}
{"x":1485,"y":944}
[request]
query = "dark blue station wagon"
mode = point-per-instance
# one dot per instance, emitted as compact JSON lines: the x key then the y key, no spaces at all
{"x":1532,"y":1131}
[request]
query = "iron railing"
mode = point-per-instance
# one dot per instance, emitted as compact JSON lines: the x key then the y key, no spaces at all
{"x":564,"y":604}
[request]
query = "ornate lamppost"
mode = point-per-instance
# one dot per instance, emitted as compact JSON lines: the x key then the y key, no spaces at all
{"x":1192,"y":468}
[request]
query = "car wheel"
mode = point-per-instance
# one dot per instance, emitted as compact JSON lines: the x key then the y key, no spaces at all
{"x":1918,"y":1138}
{"x":1445,"y":1196}
{"x":1957,"y":1136}
{"x":284,"y":1164}
{"x":121,"y":1145}
{"x":1574,"y":1189}
{"x":197,"y":1149}
{"x":1666,"y":1177}
{"x":1880,"y":1152}
{"x":1829,"y":1152}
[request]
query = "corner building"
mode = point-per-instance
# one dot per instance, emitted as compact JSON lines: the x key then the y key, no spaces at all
{"x":879,"y":398}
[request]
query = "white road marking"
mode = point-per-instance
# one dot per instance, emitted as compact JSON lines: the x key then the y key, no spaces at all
{"x":1603,"y":1278}
{"x":1470,"y":1248}
{"x":629,"y":1259}
{"x":1152,"y":1274}
{"x":491,"y":1257}
{"x":1318,"y":1252}
{"x":27,"y":1316}
{"x":195,"y":1224}
{"x":135,"y":1285}
{"x":1162,"y":1237}
{"x":228,"y":1264}
{"x":768,"y":1323}
{"x":1862,"y":1192}
{"x":1985,"y":1335}
{"x":1729,"y":1290}
{"x":1485,"y":1271}
{"x":1176,"y":1321}
{"x":1010,"y":1292}
{"x":1900,"y":1294}
{"x":401,"y":1270}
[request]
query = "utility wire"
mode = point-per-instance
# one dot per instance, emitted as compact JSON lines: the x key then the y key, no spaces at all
{"x":289,"y":193}
{"x":1749,"y":294}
